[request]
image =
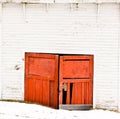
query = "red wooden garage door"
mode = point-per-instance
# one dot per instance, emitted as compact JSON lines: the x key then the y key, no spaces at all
{"x":41,"y":79}
{"x":76,"y":80}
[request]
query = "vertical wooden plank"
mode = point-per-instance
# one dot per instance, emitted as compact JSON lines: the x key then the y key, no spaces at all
{"x":76,"y":93}
{"x":40,"y":91}
{"x":87,"y":93}
{"x":29,"y":91}
{"x":34,"y":91}
{"x":51,"y":94}
{"x":60,"y":80}
{"x":89,"y":97}
{"x":91,"y":80}
{"x":60,"y":93}
{"x":90,"y":93}
{"x":73,"y":94}
{"x":79,"y":92}
{"x":37,"y":91}
{"x":68,"y":93}
{"x":46,"y":93}
{"x":31,"y":95}
{"x":82,"y":93}
{"x":56,"y":88}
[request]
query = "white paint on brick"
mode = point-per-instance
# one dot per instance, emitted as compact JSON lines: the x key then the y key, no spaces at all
{"x":0,"y":47}
{"x":60,"y":1}
{"x":108,"y":29}
{"x":119,"y":67}
{"x":119,"y":81}
{"x":60,"y":28}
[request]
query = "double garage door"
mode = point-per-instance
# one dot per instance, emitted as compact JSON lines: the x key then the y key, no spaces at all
{"x":53,"y":80}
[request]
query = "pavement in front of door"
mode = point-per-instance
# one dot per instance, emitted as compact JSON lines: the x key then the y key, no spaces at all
{"x":15,"y":110}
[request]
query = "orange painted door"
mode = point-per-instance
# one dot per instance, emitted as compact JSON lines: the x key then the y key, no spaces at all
{"x":76,"y":80}
{"x":41,"y":79}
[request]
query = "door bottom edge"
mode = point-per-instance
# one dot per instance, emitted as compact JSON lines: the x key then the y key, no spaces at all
{"x":76,"y":106}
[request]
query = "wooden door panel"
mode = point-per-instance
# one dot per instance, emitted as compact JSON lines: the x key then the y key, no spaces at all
{"x":77,"y":69}
{"x":44,"y":68}
{"x":77,"y":73}
{"x":41,"y":72}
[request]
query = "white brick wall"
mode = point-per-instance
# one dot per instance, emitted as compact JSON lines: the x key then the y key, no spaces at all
{"x":107,"y":66}
{"x":0,"y":49}
{"x":119,"y":69}
{"x":62,"y":28}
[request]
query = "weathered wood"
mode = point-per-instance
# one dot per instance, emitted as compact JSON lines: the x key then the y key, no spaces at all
{"x":41,"y":79}
{"x":77,"y":71}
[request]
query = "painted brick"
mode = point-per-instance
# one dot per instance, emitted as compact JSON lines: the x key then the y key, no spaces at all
{"x":60,"y":1}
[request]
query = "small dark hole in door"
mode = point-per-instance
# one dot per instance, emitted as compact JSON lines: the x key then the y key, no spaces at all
{"x":64,"y":96}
